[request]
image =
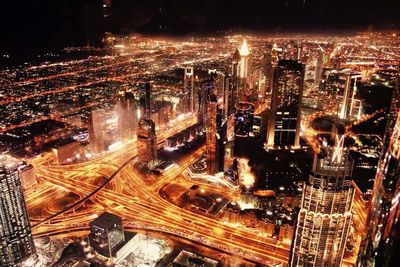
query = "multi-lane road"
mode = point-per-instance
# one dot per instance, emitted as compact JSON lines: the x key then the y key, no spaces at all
{"x":70,"y":196}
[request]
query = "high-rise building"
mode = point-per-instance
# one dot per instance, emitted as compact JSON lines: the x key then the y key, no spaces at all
{"x":269,"y":67}
{"x":145,"y":88}
{"x":244,"y":119}
{"x":243,"y":79}
{"x":146,"y":134}
{"x":220,"y":88}
{"x":325,"y":216}
{"x":231,"y":87}
{"x":16,"y":241}
{"x":147,"y":138}
{"x":215,"y":137}
{"x":95,"y":124}
{"x":106,"y":234}
{"x":66,"y":150}
{"x":27,"y":175}
{"x":189,"y":88}
{"x":126,"y":112}
{"x":346,"y":95}
{"x":293,"y":50}
{"x":284,"y":120}
{"x":207,"y":87}
{"x":380,"y":245}
{"x":320,"y":65}
{"x":227,"y":95}
{"x":235,"y":71}
{"x":232,"y":83}
{"x":244,"y":53}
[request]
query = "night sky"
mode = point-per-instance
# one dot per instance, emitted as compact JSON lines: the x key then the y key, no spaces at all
{"x":183,"y":17}
{"x":36,"y":26}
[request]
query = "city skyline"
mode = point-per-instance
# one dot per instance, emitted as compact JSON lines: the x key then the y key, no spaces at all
{"x":200,"y":134}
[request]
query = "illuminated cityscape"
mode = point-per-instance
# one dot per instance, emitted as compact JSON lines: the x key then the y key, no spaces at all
{"x":171,"y":133}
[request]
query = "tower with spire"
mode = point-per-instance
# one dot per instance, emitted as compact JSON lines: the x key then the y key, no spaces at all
{"x":325,"y":217}
{"x":244,"y":53}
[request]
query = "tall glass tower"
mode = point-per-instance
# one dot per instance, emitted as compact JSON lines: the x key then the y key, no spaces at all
{"x":381,"y":242}
{"x":383,"y":238}
{"x":189,"y":88}
{"x":146,"y":133}
{"x":325,"y":217}
{"x":16,"y":241}
{"x":287,"y":93}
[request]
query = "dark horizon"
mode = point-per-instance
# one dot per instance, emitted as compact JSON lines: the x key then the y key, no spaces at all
{"x":30,"y":27}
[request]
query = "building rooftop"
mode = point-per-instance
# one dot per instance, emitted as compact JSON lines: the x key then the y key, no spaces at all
{"x":107,"y":220}
{"x":8,"y":162}
{"x":189,"y":259}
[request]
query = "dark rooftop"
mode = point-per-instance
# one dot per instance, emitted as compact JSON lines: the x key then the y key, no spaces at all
{"x":107,"y":220}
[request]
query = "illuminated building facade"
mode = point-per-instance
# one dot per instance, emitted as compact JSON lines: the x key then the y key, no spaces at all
{"x":244,"y":53}
{"x":347,"y":93}
{"x":293,"y":50}
{"x":244,"y":119}
{"x":236,"y":64}
{"x":227,"y":95}
{"x":145,"y":88}
{"x":284,"y":120}
{"x":126,"y":112}
{"x":147,"y":139}
{"x":146,"y":133}
{"x":27,"y":175}
{"x":243,"y":79}
{"x":66,"y":150}
{"x":16,"y":241}
{"x":95,"y":124}
{"x":269,"y":66}
{"x":232,"y":84}
{"x":320,"y":65}
{"x":215,"y":137}
{"x":189,"y":87}
{"x":382,"y":241}
{"x":106,"y":234}
{"x":220,"y":89}
{"x":207,"y":87}
{"x":325,"y":217}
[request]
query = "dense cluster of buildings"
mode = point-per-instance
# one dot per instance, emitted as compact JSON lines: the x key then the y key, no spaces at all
{"x":265,"y":92}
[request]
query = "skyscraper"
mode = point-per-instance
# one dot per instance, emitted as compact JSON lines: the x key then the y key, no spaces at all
{"x":284,"y":120}
{"x":346,"y":95}
{"x":126,"y":112}
{"x":325,"y":217}
{"x":147,"y":138}
{"x":189,"y":88}
{"x":244,"y":119}
{"x":236,"y":64}
{"x":320,"y":64}
{"x":207,"y":87}
{"x":95,"y":124}
{"x":244,"y":53}
{"x":16,"y":241}
{"x":215,"y":137}
{"x":145,"y":88}
{"x":232,"y":83}
{"x":106,"y":234}
{"x":380,"y":245}
{"x":269,"y":67}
